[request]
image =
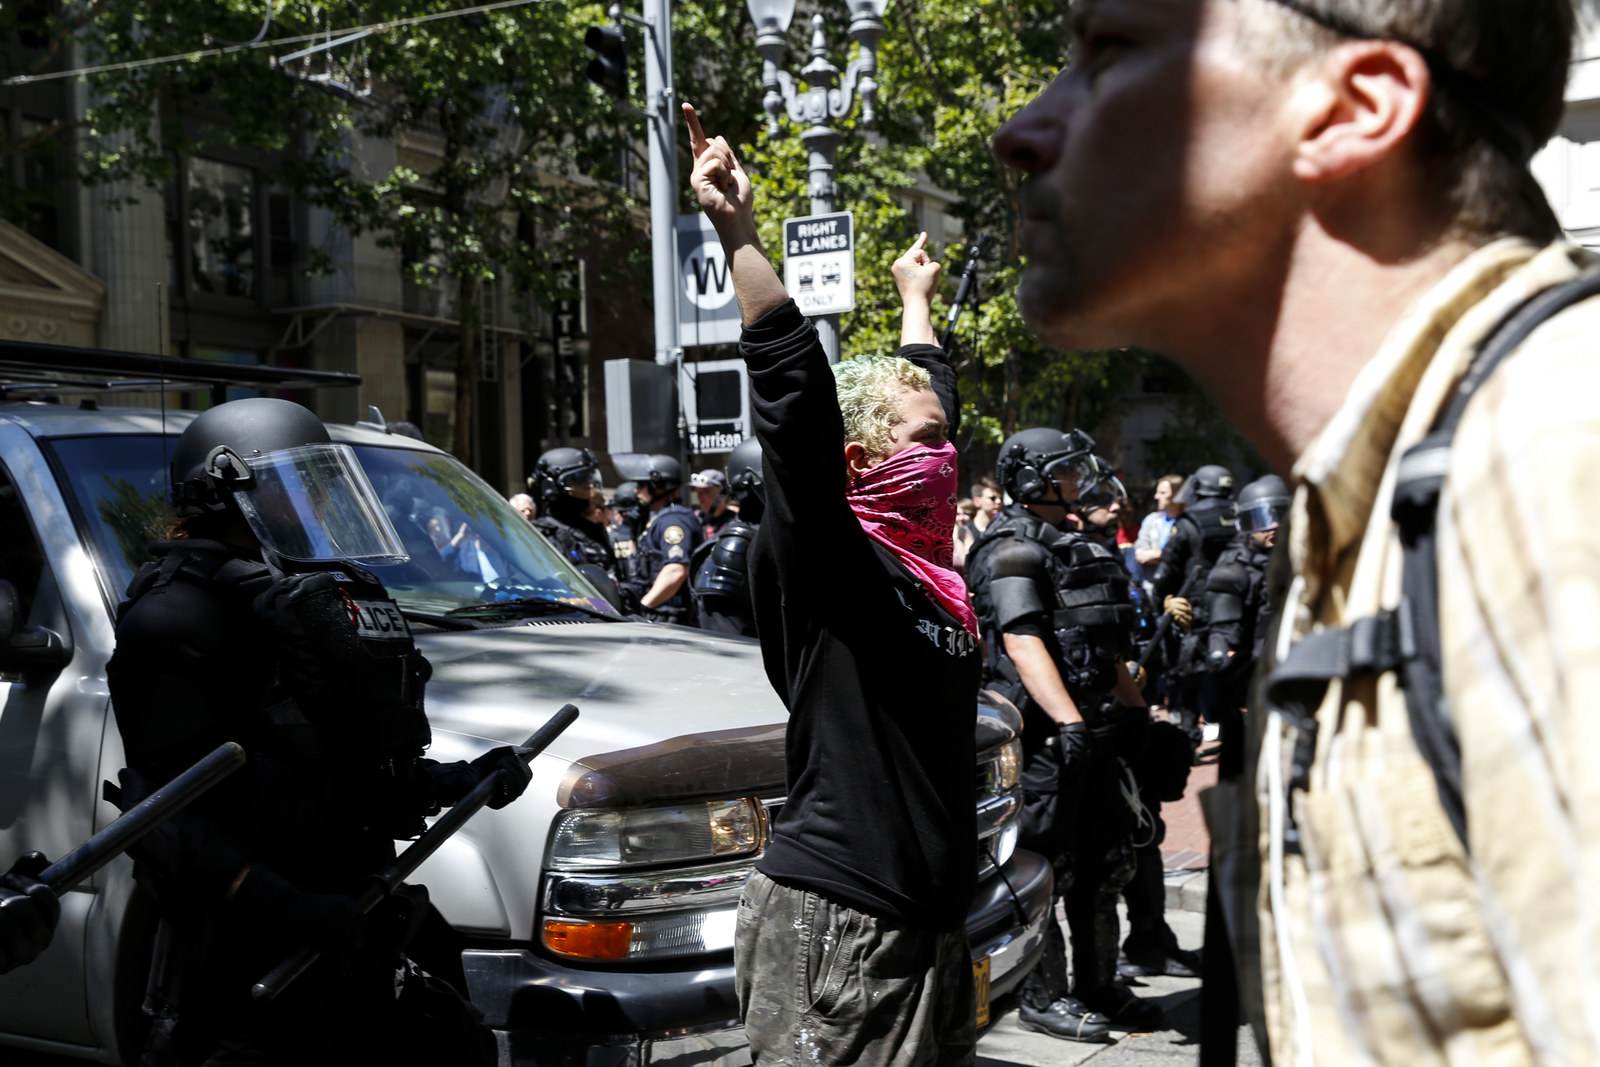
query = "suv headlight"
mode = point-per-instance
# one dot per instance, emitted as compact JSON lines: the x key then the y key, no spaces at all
{"x":999,"y":805}
{"x":637,"y":837}
{"x":627,"y":884}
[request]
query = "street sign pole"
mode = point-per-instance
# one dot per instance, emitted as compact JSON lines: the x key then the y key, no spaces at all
{"x":822,"y":145}
{"x":662,"y":109}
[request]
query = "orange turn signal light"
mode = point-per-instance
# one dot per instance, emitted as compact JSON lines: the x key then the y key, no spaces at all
{"x":588,"y":941}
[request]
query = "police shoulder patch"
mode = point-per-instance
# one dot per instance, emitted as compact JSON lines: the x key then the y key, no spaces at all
{"x":673,"y":535}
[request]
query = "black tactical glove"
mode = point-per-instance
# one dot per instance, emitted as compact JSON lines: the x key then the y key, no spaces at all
{"x":1077,"y":750}
{"x":514,"y":774}
{"x":28,"y":912}
{"x":330,"y":921}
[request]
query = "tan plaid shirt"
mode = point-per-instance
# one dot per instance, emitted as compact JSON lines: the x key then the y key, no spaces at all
{"x":1383,"y":942}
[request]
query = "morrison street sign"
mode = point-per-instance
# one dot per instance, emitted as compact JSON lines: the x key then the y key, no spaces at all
{"x":819,"y":262}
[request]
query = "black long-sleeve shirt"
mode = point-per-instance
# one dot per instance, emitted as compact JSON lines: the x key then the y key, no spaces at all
{"x":880,"y":681}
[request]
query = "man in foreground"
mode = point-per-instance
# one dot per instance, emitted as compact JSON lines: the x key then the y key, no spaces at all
{"x":1323,"y":210}
{"x":850,"y":946}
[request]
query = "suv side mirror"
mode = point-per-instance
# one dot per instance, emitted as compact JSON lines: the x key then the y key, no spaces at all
{"x":24,"y":647}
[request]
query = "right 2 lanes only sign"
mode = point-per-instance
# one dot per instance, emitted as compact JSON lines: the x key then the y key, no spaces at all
{"x":819,"y":262}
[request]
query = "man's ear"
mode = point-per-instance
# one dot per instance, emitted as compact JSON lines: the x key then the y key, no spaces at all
{"x":856,"y":460}
{"x":1357,"y":108}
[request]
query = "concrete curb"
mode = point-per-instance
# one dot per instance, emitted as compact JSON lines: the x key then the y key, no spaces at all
{"x":1186,"y":890}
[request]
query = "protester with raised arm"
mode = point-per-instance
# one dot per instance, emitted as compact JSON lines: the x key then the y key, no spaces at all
{"x":850,"y":945}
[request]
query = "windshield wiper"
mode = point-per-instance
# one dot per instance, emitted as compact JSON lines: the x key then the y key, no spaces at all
{"x":442,"y":622}
{"x":528,"y":605}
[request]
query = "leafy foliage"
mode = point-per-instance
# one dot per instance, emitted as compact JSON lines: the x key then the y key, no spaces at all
{"x":509,"y":163}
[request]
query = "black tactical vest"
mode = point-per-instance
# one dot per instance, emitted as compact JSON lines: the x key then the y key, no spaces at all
{"x":577,"y":544}
{"x":358,"y":683}
{"x":1218,"y":525}
{"x":1094,"y":617}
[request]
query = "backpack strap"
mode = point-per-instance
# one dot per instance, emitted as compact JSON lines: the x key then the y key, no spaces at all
{"x":1406,"y":639}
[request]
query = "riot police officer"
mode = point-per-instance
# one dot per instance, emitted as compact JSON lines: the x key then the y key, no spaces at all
{"x":262,"y":620}
{"x":1056,"y":617}
{"x":721,"y":565}
{"x":1238,"y":610}
{"x":1201,"y":534}
{"x":668,"y":540}
{"x":564,"y":479}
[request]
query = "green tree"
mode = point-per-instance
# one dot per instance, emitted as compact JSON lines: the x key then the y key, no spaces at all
{"x":524,"y":159}
{"x":949,"y":75}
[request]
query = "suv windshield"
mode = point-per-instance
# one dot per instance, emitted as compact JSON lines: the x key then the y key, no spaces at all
{"x":467,"y":545}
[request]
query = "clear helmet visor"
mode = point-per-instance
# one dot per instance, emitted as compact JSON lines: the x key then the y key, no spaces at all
{"x":313,"y":503}
{"x":1074,"y":475}
{"x":1105,"y":492}
{"x":1263,"y":515}
{"x":582,"y":478}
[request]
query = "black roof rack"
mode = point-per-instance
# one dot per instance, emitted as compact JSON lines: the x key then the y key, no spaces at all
{"x":37,"y":370}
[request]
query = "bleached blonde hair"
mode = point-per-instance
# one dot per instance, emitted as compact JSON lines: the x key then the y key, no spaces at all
{"x":869,"y":397}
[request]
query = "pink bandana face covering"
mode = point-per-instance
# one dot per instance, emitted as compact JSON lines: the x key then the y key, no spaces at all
{"x":908,"y":502}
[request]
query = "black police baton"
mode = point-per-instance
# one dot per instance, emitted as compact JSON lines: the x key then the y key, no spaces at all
{"x":969,"y":277}
{"x":1164,"y":623}
{"x":387,"y":880}
{"x":149,"y":813}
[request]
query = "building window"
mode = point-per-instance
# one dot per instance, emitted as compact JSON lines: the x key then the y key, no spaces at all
{"x":31,"y":175}
{"x":222,"y":232}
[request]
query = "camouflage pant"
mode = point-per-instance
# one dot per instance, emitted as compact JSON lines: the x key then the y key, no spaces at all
{"x":820,"y":983}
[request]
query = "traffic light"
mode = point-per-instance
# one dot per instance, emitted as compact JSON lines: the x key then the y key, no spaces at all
{"x":609,"y":67}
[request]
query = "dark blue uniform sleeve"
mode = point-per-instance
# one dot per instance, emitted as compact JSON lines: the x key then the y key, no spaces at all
{"x":1182,"y":548}
{"x":674,"y":535}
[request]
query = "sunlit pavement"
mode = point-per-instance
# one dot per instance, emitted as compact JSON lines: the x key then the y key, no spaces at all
{"x":1005,"y":1044}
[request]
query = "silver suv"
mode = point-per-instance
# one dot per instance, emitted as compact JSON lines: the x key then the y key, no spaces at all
{"x":596,"y":914}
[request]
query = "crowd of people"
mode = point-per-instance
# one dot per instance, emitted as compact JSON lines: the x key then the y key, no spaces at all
{"x":1325,"y":212}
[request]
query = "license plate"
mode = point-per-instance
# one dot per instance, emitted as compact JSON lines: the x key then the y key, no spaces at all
{"x":980,"y":982}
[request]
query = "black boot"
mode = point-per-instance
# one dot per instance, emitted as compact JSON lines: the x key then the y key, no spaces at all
{"x":1126,"y":1011}
{"x":1067,"y":1019}
{"x":1141,"y":961}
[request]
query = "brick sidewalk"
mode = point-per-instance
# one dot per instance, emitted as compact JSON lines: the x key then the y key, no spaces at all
{"x":1187,"y":846}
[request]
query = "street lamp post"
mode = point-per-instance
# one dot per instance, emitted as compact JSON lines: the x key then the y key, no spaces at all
{"x":824,"y":99}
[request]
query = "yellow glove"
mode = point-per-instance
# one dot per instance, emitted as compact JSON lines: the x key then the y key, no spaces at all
{"x":1181,"y":610}
{"x":1139,"y":674}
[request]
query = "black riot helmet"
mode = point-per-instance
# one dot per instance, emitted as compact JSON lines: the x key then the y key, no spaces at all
{"x":663,"y":474}
{"x":1211,"y":480}
{"x":561,"y":469}
{"x":203,"y":471}
{"x":1263,"y":504}
{"x":303,"y":497}
{"x":744,"y":471}
{"x":1105,"y":489}
{"x":625,"y":498}
{"x":1029,"y":461}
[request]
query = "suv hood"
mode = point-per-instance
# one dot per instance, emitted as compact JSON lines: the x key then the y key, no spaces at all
{"x":666,"y":710}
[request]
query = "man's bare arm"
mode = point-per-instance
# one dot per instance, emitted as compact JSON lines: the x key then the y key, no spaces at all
{"x":916,"y":275}
{"x":666,"y":586}
{"x":1040,"y":677}
{"x":725,"y":194}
